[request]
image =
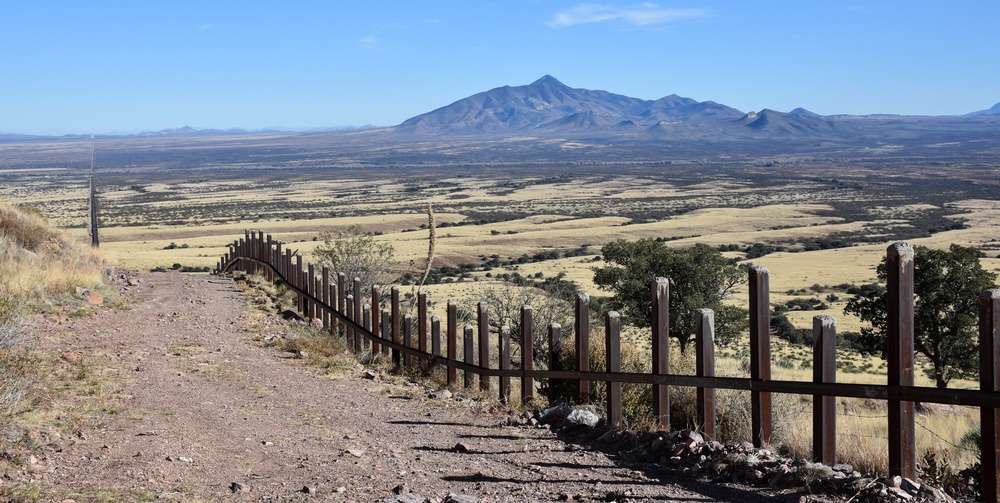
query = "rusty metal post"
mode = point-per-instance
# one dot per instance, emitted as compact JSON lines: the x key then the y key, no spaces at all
{"x":470,"y":357}
{"x":555,"y":347}
{"x":899,"y":322}
{"x":613,"y":347}
{"x":989,"y":380}
{"x":452,"y":336}
{"x":704,"y":344}
{"x":527,"y":354}
{"x":298,"y":284}
{"x":760,"y":355}
{"x":407,"y":339}
{"x":482,"y":316}
{"x":661,"y":350}
{"x":397,"y":357}
{"x":358,"y":300}
{"x":366,"y":315}
{"x":422,"y":321}
{"x":344,"y":289}
{"x":269,"y":254}
{"x":386,"y":334}
{"x":582,"y":329}
{"x":351,"y":315}
{"x":334,"y":298}
{"x":376,"y":328}
{"x":436,"y":335}
{"x":824,"y":407}
{"x":504,"y":363}
{"x":311,"y":289}
{"x":325,"y":291}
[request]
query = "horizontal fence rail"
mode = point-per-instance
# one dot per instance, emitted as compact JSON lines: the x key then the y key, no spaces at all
{"x":370,"y":324}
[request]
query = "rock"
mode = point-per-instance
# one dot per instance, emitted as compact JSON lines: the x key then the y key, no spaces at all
{"x":308,"y":490}
{"x":580,"y":416}
{"x":401,"y":489}
{"x":460,"y":498}
{"x":440,"y":395}
{"x":894,"y":482}
{"x":460,"y":447}
{"x":657,"y":445}
{"x":606,"y":438}
{"x":70,"y":357}
{"x":316,"y":323}
{"x":554,"y":415}
{"x":909,"y":485}
{"x":182,"y":459}
{"x":404,"y":498}
{"x":238,"y":487}
{"x":356,"y":452}
{"x":370,"y":375}
{"x":340,"y":489}
{"x":843,"y":467}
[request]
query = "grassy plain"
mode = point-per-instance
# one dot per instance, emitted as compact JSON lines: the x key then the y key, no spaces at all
{"x":826,"y":221}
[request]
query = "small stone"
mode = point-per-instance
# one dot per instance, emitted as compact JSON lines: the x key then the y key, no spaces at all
{"x":356,"y":452}
{"x":580,"y":416}
{"x":238,"y":487}
{"x":460,"y":447}
{"x":563,"y":497}
{"x":440,"y":395}
{"x":401,"y":489}
{"x":341,"y":489}
{"x":460,"y":498}
{"x":371,"y":375}
{"x":308,"y":490}
{"x":182,"y":459}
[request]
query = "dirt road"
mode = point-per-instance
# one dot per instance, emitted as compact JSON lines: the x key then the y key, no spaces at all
{"x":200,"y":412}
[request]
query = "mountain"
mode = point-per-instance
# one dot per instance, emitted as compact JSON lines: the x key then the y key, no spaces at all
{"x":547,"y":106}
{"x":994,"y":110}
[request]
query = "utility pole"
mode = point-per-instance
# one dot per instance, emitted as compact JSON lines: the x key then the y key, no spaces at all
{"x":95,"y":241}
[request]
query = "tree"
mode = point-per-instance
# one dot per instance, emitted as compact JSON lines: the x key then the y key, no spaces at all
{"x":700,"y":277}
{"x":356,"y":254}
{"x":504,"y":301}
{"x":946,"y":285}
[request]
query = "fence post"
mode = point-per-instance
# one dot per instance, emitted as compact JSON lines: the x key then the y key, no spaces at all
{"x":760,"y":355}
{"x":299,"y":270}
{"x":436,"y":335}
{"x":613,"y":347}
{"x":358,"y":339}
{"x":422,"y":321}
{"x":824,"y":407}
{"x":661,"y":350}
{"x":325,"y":295}
{"x":484,"y":344}
{"x":334,"y":299}
{"x":342,"y":304}
{"x":704,"y":344}
{"x":397,"y":357}
{"x":269,"y":253}
{"x":899,"y":322}
{"x":527,"y":354}
{"x":469,"y":355}
{"x":350,"y":316}
{"x":366,"y":314}
{"x":582,"y":329}
{"x":989,"y":380}
{"x":304,"y":280}
{"x":386,"y":335}
{"x":452,"y":341}
{"x":376,"y":327}
{"x":504,"y":363}
{"x":407,"y":339}
{"x":555,"y":347}
{"x":311,"y":289}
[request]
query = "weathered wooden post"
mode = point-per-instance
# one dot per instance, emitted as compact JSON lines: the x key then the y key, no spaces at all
{"x":824,"y":407}
{"x":436,"y":335}
{"x":661,"y":350}
{"x":613,"y":347}
{"x":342,"y":304}
{"x":366,"y":313}
{"x":704,"y":344}
{"x":484,"y":344}
{"x":386,"y":333}
{"x":527,"y":354}
{"x":989,"y":380}
{"x":899,"y":322}
{"x":311,"y":289}
{"x":760,"y":355}
{"x":325,"y":297}
{"x":452,"y":341}
{"x":582,"y":328}
{"x":334,"y":302}
{"x":299,"y":271}
{"x":350,"y":316}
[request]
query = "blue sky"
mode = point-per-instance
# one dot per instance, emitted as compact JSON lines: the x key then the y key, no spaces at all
{"x":130,"y":66}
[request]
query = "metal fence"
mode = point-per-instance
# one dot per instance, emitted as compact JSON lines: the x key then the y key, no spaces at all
{"x":373,"y":325}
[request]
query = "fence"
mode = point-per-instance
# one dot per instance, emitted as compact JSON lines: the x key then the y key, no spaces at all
{"x":332,"y":300}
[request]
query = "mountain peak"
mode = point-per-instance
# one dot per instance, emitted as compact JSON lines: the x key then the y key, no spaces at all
{"x":547,"y":80}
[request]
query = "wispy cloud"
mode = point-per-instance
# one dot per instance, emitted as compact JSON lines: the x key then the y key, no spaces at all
{"x":206,"y":27}
{"x":370,"y":42}
{"x":644,"y":14}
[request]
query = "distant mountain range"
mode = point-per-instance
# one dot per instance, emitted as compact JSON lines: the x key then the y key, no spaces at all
{"x":548,"y":106}
{"x":994,"y":110}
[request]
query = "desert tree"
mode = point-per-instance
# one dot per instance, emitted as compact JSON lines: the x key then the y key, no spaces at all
{"x":358,"y":255}
{"x":946,"y":284}
{"x":504,"y":302}
{"x":700,"y":277}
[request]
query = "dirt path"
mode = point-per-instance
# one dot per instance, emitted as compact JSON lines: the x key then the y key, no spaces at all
{"x":204,"y":414}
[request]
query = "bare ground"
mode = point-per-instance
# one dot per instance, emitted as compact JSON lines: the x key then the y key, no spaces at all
{"x":200,"y":412}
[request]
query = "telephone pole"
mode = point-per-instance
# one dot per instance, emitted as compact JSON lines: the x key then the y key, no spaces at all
{"x":95,"y":241}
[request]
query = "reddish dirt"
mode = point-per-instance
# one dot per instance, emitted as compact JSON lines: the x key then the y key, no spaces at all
{"x":202,"y":407}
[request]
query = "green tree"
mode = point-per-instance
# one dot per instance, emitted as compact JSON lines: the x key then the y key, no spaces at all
{"x":356,"y":254}
{"x":946,"y":284}
{"x":700,"y":277}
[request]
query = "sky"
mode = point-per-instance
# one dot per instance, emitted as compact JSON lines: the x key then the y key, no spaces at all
{"x":106,"y":66}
